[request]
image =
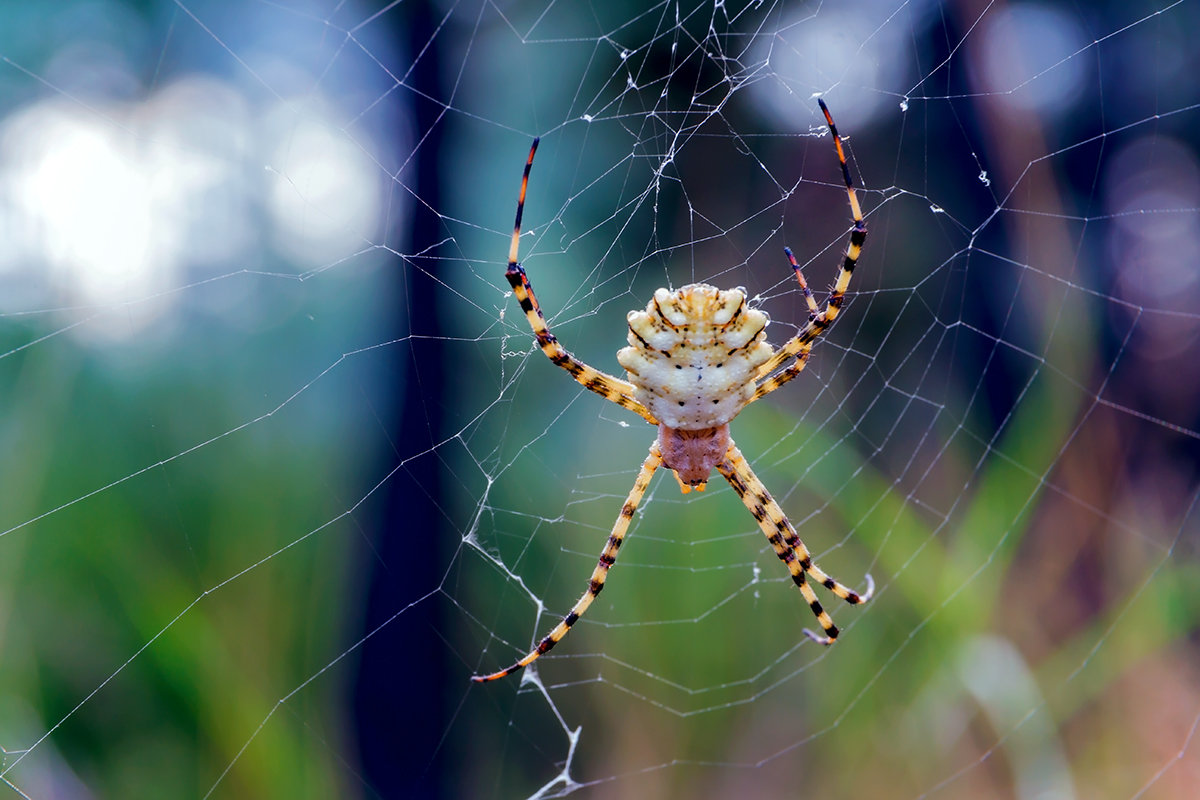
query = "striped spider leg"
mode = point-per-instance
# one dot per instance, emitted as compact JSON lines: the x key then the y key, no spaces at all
{"x":819,"y":320}
{"x":607,"y":386}
{"x":788,"y":546}
{"x":599,"y":574}
{"x":696,"y":357}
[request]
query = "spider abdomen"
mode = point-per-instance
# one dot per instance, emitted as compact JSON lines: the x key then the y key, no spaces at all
{"x":694,"y":355}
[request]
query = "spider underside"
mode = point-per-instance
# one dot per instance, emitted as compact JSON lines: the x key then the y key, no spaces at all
{"x":696,"y":357}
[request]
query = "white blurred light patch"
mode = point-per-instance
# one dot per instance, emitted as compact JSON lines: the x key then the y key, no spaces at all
{"x":325,"y":198}
{"x":114,"y":206}
{"x":860,"y":58}
{"x":81,"y":205}
{"x":1152,"y":192}
{"x":1034,"y":58}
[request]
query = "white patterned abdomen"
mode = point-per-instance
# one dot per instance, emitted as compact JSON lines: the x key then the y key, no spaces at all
{"x":694,"y":355}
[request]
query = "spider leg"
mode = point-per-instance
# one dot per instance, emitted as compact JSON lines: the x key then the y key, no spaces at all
{"x":787,"y":544}
{"x":773,"y":382}
{"x":603,"y":384}
{"x":798,"y":346}
{"x":813,"y":309}
{"x":607,"y":558}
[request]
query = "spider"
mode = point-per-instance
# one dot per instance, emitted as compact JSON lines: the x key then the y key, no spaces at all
{"x":696,"y":357}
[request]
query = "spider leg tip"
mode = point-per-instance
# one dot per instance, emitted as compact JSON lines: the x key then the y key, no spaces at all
{"x":825,"y":640}
{"x":491,"y":677}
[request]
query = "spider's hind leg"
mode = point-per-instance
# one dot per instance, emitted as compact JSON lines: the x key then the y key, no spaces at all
{"x":818,"y":321}
{"x":607,"y":386}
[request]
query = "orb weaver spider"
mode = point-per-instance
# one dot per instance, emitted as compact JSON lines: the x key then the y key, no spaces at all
{"x":696,"y":357}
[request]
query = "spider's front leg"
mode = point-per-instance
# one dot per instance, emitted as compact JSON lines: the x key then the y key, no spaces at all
{"x":603,"y":384}
{"x":607,"y":558}
{"x":783,"y":537}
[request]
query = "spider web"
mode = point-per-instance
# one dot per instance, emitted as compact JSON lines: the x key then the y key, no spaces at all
{"x":283,"y":468}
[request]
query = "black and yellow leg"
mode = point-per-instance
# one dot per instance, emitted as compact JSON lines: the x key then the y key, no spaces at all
{"x":858,"y":234}
{"x":813,"y":309}
{"x":783,"y":376}
{"x":799,"y":345}
{"x":805,"y":337}
{"x":787,"y":543}
{"x":603,"y":384}
{"x":599,"y":575}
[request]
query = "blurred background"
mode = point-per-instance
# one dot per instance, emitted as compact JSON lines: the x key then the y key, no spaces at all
{"x":281,"y":468}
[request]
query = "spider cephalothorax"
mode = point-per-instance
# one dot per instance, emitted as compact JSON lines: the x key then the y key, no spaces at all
{"x":696,"y":357}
